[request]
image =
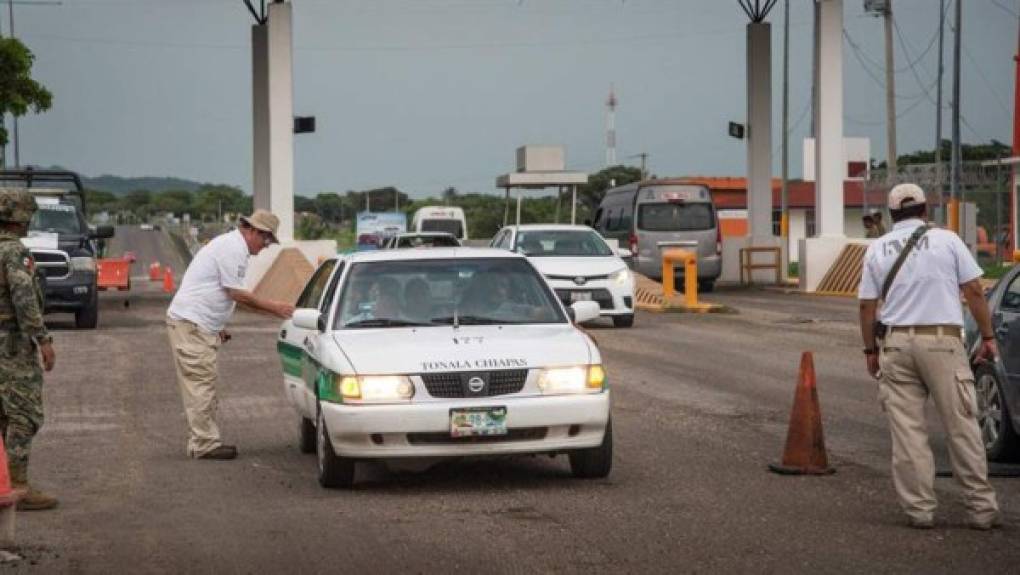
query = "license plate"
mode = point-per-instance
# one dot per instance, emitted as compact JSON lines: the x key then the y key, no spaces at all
{"x":580,"y":296}
{"x":477,"y":421}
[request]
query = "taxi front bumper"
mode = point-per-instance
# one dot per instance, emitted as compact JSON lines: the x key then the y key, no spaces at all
{"x":535,"y":424}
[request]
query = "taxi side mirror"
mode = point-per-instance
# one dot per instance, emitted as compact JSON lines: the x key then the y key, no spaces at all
{"x":584,"y":311}
{"x":307,"y":318}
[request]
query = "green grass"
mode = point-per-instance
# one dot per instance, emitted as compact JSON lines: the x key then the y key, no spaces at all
{"x":995,"y":271}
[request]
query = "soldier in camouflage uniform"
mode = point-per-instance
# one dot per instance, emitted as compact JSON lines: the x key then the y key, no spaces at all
{"x":23,"y":341}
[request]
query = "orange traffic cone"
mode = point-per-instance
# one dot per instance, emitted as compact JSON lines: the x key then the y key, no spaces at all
{"x":154,"y":274}
{"x":805,"y":443}
{"x":8,"y":499}
{"x":168,"y":280}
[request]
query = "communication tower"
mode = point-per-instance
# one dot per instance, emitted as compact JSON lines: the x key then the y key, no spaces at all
{"x":611,"y":128}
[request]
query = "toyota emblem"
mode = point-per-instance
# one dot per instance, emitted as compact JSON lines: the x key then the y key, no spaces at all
{"x":580,"y":280}
{"x":476,"y":384}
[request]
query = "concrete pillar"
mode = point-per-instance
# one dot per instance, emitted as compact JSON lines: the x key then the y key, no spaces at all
{"x":829,"y":168}
{"x":260,"y":114}
{"x":759,"y":130}
{"x":273,"y":116}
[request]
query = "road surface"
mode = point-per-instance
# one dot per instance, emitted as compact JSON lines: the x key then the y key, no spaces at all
{"x":700,"y":408}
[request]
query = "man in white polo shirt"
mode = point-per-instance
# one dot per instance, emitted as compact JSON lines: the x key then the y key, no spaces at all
{"x":922,"y":355}
{"x":198,"y":314}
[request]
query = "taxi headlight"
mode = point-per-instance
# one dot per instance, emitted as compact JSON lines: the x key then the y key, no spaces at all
{"x":83,"y":264}
{"x":575,"y":379}
{"x":374,"y":388}
{"x":620,"y":277}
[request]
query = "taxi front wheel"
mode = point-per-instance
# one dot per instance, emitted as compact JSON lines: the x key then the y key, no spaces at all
{"x":306,"y":443}
{"x":594,"y":463}
{"x":334,"y":471}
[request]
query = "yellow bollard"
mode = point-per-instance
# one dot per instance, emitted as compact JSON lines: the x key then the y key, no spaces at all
{"x":954,"y":216}
{"x":690,"y":260}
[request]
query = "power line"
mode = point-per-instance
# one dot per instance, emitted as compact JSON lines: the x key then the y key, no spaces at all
{"x":881,"y":66}
{"x":913,"y":69}
{"x":988,"y":84}
{"x":899,"y":115}
{"x":406,"y":47}
{"x":1005,"y":8}
{"x":858,"y":55}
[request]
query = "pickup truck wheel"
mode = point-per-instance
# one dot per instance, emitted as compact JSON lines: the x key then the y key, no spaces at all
{"x":595,"y":462}
{"x":88,"y":316}
{"x":334,"y":471}
{"x":307,"y":433}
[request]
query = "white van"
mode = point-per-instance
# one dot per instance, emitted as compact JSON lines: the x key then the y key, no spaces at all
{"x":441,"y":219}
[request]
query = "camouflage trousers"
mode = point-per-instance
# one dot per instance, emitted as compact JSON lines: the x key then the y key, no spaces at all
{"x":21,"y":408}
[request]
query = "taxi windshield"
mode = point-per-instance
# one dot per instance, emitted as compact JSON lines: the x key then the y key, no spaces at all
{"x":476,"y":291}
{"x":562,"y":243}
{"x":55,"y":218}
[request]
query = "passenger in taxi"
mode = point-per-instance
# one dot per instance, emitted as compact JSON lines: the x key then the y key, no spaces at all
{"x":491,"y":295}
{"x":417,"y":301}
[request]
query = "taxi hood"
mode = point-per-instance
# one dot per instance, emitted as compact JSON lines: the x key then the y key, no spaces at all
{"x":577,"y":266}
{"x":467,"y":348}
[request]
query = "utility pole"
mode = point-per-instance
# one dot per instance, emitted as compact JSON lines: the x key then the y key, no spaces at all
{"x":611,"y":128}
{"x":784,"y":222}
{"x":1013,"y":217}
{"x":956,"y":162}
{"x":17,"y":158}
{"x":644,"y":163}
{"x":814,"y":73}
{"x":10,"y":16}
{"x":890,"y":94}
{"x":938,"y":114}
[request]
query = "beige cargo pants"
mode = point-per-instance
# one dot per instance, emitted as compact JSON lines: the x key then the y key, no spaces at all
{"x":194,"y":352}
{"x":915,"y":366}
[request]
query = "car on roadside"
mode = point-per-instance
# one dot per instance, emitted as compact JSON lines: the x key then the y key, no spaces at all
{"x":997,"y":383}
{"x":579,"y":265}
{"x":439,"y":353}
{"x":421,"y":240}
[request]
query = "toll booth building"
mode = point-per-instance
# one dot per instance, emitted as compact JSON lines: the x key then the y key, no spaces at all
{"x":730,"y":198}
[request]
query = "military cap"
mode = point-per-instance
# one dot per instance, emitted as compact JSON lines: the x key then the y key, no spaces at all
{"x":16,"y":206}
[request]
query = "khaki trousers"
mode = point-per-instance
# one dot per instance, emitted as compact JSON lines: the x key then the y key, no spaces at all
{"x":915,"y":367}
{"x":194,"y":352}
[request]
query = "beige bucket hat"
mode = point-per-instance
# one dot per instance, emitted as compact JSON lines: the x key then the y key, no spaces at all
{"x":265,"y":221}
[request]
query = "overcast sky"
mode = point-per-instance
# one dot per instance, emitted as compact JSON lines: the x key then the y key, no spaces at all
{"x":423,"y":94}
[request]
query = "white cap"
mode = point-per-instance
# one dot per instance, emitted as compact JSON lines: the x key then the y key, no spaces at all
{"x":905,"y":195}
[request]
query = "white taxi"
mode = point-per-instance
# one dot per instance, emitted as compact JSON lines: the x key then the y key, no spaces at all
{"x":579,"y":265}
{"x":446,"y":352}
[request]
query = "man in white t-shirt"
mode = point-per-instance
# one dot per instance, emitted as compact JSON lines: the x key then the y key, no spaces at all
{"x":197,"y":318}
{"x":922,"y":355}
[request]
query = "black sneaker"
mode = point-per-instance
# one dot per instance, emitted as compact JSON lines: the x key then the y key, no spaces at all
{"x":221,"y":452}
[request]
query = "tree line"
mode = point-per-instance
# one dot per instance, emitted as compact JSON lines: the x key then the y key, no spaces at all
{"x":331,"y":214}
